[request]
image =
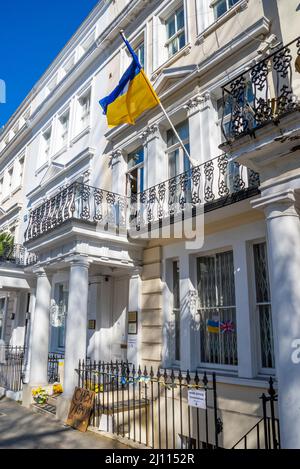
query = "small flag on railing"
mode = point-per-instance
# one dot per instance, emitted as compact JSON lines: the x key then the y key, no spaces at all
{"x":213,"y":326}
{"x":227,"y":326}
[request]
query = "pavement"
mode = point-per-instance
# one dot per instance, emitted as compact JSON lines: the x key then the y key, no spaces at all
{"x":20,"y":428}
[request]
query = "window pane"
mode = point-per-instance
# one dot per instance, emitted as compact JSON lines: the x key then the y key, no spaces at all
{"x":183,"y":132}
{"x":181,"y":40}
{"x":220,"y":8}
{"x":263,"y":302}
{"x":232,"y":2}
{"x":174,"y":163}
{"x":140,"y":51}
{"x":217,"y":309}
{"x":176,"y":309}
{"x":136,"y":157}
{"x":171,"y":27}
{"x":180,"y":19}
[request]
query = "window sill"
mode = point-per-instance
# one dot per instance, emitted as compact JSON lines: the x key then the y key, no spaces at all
{"x":41,"y":168}
{"x":6,"y":198}
{"x":261,"y":381}
{"x":17,"y":189}
{"x":238,"y":7}
{"x":81,"y":134}
{"x":184,"y":51}
{"x":59,"y":153}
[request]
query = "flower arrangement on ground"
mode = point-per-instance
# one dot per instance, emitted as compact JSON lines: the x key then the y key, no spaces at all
{"x":40,"y":395}
{"x":57,"y":388}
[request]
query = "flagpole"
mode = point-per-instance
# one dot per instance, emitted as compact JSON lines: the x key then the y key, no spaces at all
{"x":167,"y":116}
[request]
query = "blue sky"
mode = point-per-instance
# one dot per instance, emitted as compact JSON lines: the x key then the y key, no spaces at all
{"x":32,"y":32}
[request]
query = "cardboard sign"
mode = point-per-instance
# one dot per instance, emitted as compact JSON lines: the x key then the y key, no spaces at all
{"x":197,"y":398}
{"x":80,"y":409}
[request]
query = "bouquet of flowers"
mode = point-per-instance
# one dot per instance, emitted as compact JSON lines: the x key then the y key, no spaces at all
{"x":57,"y":388}
{"x":40,"y":395}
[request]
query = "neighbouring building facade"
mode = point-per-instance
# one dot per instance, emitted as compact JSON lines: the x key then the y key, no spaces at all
{"x":98,"y":270}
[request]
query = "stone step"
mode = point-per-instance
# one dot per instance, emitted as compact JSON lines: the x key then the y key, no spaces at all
{"x":52,"y":400}
{"x":45,"y":409}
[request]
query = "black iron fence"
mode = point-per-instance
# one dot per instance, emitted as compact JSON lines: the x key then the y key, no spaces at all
{"x":54,"y":360}
{"x":263,"y":93}
{"x":166,"y":409}
{"x":78,"y":202}
{"x":18,"y":255}
{"x":265,"y":434}
{"x":214,"y":183}
{"x":11,"y":367}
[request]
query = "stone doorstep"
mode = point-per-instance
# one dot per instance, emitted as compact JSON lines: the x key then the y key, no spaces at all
{"x":124,"y":440}
{"x":46,"y":409}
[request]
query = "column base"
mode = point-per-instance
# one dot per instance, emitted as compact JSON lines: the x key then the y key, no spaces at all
{"x":62,"y":408}
{"x":27,"y":399}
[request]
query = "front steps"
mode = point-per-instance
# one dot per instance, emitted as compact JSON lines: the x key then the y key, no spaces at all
{"x":48,"y":409}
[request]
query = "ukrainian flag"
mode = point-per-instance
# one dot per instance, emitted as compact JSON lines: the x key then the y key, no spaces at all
{"x":213,"y":326}
{"x":133,"y":95}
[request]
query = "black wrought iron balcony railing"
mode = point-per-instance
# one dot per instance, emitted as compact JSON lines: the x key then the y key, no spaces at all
{"x":215,"y":183}
{"x":78,"y":202}
{"x":264,"y":93}
{"x":17,"y":255}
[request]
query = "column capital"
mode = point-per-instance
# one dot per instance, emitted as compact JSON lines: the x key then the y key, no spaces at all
{"x":41,"y":272}
{"x":150,"y":132}
{"x":280,"y":204}
{"x":79,"y":260}
{"x":116,"y":157}
{"x":196,"y":104}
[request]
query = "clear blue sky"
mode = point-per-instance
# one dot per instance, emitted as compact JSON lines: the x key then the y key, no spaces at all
{"x":32,"y":32}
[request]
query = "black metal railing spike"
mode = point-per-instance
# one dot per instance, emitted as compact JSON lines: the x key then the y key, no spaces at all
{"x":205,"y":380}
{"x":197,"y":379}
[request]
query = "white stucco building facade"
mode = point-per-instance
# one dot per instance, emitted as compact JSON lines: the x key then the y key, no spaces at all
{"x":81,"y":197}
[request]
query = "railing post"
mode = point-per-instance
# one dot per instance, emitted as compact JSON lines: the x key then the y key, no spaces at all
{"x":264,"y":406}
{"x":273,"y":398}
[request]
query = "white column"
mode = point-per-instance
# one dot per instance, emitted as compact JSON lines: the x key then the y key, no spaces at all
{"x":40,"y":331}
{"x":76,"y":328}
{"x":283,"y":229}
{"x":119,"y":169}
{"x":199,"y":111}
{"x":188,"y":354}
{"x":244,"y":321}
{"x":29,"y":334}
{"x":156,"y":163}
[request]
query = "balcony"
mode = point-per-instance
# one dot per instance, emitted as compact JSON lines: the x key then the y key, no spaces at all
{"x":17,"y":255}
{"x":79,"y":202}
{"x":214,"y":184}
{"x":263,"y":94}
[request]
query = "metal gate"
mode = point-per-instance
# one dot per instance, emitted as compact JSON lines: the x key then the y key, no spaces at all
{"x":166,"y":409}
{"x":265,"y":434}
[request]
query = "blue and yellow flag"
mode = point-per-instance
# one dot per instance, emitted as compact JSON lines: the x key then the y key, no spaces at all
{"x":133,"y":95}
{"x":213,"y":326}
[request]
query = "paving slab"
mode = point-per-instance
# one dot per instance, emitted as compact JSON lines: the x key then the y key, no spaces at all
{"x":20,"y":428}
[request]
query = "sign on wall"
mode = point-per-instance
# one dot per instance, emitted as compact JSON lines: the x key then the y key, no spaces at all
{"x":197,"y":398}
{"x":81,"y":409}
{"x":132,"y":323}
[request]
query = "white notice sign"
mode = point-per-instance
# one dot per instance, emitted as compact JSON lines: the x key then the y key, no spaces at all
{"x":197,"y":398}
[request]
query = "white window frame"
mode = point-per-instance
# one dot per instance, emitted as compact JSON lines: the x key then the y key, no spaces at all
{"x":174,"y":311}
{"x":63,"y":143}
{"x":214,"y":4}
{"x":257,"y":339}
{"x":177,"y":33}
{"x":206,"y":365}
{"x":159,"y":34}
{"x":83,"y":121}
